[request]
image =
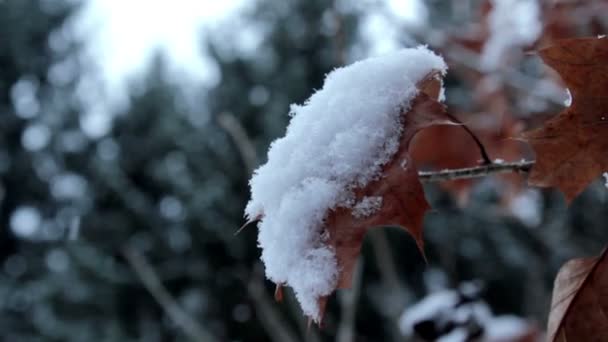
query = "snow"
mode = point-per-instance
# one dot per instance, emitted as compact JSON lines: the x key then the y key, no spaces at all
{"x":367,"y":207}
{"x":25,"y":222}
{"x":431,"y":306}
{"x":513,"y":25}
{"x":505,"y":328}
{"x":527,"y":206}
{"x":336,"y":141}
{"x":457,"y":317}
{"x":457,"y":335}
{"x":446,"y":307}
{"x":605,"y":174}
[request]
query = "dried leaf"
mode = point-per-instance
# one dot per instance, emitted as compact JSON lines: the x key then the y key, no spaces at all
{"x":403,"y":202}
{"x":572,"y":148}
{"x":579,"y":308}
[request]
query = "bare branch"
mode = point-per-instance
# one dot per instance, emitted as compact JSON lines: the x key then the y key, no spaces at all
{"x":271,"y":319}
{"x":239,"y":135}
{"x":482,"y":149}
{"x":348,"y":303}
{"x":150,"y":280}
{"x":395,"y":295}
{"x":523,"y":166}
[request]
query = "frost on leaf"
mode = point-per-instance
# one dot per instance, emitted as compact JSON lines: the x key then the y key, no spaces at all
{"x":571,"y":148}
{"x":340,"y":170}
{"x":580,"y":301}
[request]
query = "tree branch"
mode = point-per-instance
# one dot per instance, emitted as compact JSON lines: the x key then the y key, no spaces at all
{"x":482,"y":149}
{"x":150,"y":280}
{"x":241,"y":139}
{"x":523,"y":166}
{"x":348,"y":304}
{"x":270,"y":318}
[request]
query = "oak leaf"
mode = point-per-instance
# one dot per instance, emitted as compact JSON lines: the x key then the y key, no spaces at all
{"x":572,"y":148}
{"x":403,"y":202}
{"x":579,"y":305}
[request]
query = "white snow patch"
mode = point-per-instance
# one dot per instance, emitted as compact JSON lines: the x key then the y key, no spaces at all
{"x":505,"y":328}
{"x":513,"y":25}
{"x":528,"y":207}
{"x":605,"y":174}
{"x":431,"y":306}
{"x":448,"y":308}
{"x":457,"y":335}
{"x":336,"y":141}
{"x":367,"y":207}
{"x":25,"y":222}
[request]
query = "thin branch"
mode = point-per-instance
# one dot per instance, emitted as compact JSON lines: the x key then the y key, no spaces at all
{"x":348,"y":304}
{"x":307,"y":333}
{"x":150,"y":280}
{"x":386,"y":263}
{"x":394,"y":298}
{"x":241,"y":139}
{"x":482,"y":149}
{"x":523,"y":166}
{"x":270,"y":318}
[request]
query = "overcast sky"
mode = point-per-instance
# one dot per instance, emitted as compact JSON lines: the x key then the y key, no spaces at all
{"x":122,"y":34}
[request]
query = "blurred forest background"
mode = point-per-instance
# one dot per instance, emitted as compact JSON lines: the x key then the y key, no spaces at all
{"x":120,"y":226}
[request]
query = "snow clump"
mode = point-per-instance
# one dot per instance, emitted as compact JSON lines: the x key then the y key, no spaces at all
{"x":336,"y":141}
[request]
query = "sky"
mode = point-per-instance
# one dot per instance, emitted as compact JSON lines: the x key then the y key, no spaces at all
{"x":123,"y":34}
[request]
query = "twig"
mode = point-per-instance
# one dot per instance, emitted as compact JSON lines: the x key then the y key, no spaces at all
{"x":150,"y":280}
{"x":394,"y":299}
{"x":269,"y":316}
{"x":482,"y":149}
{"x":241,"y":139}
{"x":348,"y":304}
{"x":307,"y":333}
{"x":386,"y":263}
{"x":523,"y":166}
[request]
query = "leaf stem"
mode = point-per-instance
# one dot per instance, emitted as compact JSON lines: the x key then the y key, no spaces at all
{"x":482,"y":149}
{"x":523,"y":166}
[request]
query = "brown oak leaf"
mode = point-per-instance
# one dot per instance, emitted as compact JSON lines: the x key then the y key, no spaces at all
{"x":572,"y":147}
{"x":403,"y":202}
{"x":579,"y":305}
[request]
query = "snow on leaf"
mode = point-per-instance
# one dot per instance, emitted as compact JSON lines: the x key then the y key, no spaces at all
{"x":346,"y":142}
{"x":571,"y":148}
{"x":403,"y":201}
